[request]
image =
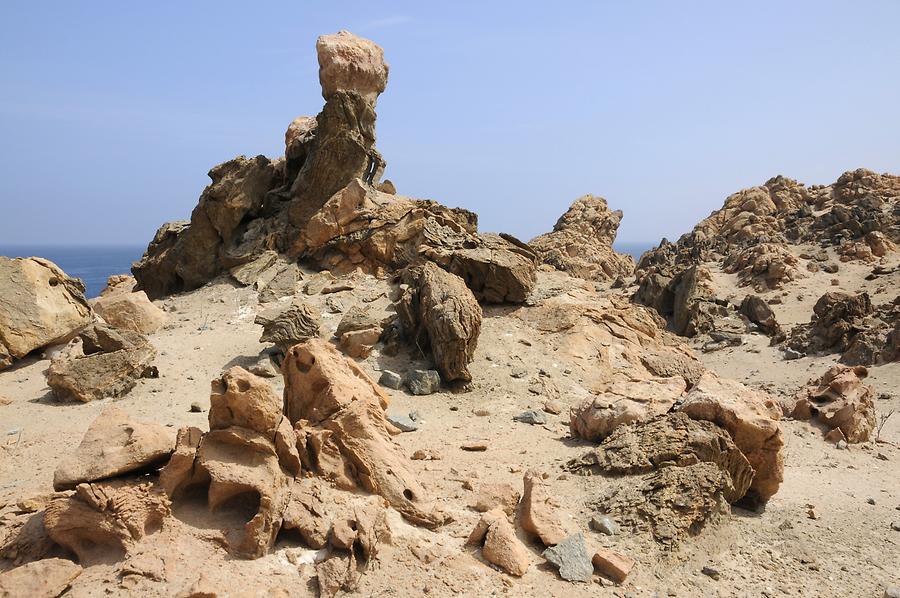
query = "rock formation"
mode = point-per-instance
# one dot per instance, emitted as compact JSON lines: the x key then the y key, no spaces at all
{"x":122,"y":307}
{"x":48,"y":578}
{"x":437,"y":310}
{"x":581,"y":242}
{"x":838,"y":400}
{"x":39,"y":306}
{"x":101,"y":362}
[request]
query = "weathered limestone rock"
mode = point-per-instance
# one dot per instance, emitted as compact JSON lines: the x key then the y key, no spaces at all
{"x":838,"y":318}
{"x":751,"y":418}
{"x":500,"y":546}
{"x":39,"y":306}
{"x":624,"y":402}
{"x":351,"y":63}
{"x":437,"y":310}
{"x":536,"y":515}
{"x":285,"y":327}
{"x":581,"y":242}
{"x":114,"y":445}
{"x":102,"y":521}
{"x":131,"y":311}
{"x":48,"y":578}
{"x":329,"y":398}
{"x":839,"y":400}
{"x":101,"y":362}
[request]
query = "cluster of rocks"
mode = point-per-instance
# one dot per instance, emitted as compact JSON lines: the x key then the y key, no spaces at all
{"x":752,"y":233}
{"x":322,"y":203}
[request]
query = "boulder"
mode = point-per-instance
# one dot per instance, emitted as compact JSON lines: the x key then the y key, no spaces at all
{"x":624,"y":402}
{"x":537,"y":515}
{"x":760,"y":313}
{"x":581,"y":242}
{"x":496,"y":496}
{"x":751,"y":418}
{"x":358,"y":331}
{"x":500,"y":546}
{"x":339,"y":415}
{"x":131,"y":311}
{"x":39,"y":306}
{"x":765,"y":266}
{"x":838,"y":400}
{"x":838,"y":319}
{"x":437,"y":310}
{"x":351,"y":63}
{"x":103,"y":521}
{"x":114,"y":445}
{"x":47,"y":578}
{"x":101,"y":362}
{"x":287,"y":326}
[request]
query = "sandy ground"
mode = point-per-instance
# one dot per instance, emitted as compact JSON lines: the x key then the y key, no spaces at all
{"x":849,"y":550}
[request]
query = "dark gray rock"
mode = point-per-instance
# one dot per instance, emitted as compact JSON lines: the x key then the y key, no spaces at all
{"x":403,"y":422}
{"x":604,"y":525}
{"x":535,"y":418}
{"x":423,"y":382}
{"x":390,"y":379}
{"x":572,"y":558}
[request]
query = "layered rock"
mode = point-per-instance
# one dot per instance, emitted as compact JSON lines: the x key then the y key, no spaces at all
{"x":287,"y":326}
{"x":437,"y":310}
{"x":581,"y":242}
{"x":101,"y":362}
{"x":39,"y":306}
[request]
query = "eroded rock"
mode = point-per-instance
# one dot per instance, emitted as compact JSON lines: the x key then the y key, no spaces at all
{"x":839,"y":400}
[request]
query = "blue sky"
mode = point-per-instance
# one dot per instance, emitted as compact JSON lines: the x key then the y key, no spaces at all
{"x":111,"y":113}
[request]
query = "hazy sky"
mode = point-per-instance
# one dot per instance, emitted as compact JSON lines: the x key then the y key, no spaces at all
{"x":111,"y":113}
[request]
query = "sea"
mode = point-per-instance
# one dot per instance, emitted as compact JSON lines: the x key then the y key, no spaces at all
{"x":92,"y":264}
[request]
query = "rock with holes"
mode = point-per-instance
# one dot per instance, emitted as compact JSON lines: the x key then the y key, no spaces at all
{"x":39,"y":306}
{"x":101,"y":362}
{"x":838,"y":400}
{"x":437,"y":310}
{"x":103,"y":521}
{"x":339,"y":415}
{"x":114,"y":445}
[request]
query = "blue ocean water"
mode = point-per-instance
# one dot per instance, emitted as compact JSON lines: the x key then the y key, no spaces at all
{"x":92,"y":264}
{"x":634,"y":249}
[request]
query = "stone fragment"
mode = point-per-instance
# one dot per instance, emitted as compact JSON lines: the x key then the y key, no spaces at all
{"x":403,"y":422}
{"x":536,"y":515}
{"x":532,"y":417}
{"x":423,"y":382}
{"x":571,"y":558}
{"x":496,"y":496}
{"x":758,"y":312}
{"x":500,"y":546}
{"x":114,"y":445}
{"x":839,"y":400}
{"x":391,"y":379}
{"x":604,"y":524}
{"x":612,"y":565}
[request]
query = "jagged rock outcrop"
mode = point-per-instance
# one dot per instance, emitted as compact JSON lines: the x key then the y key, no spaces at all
{"x":437,"y":310}
{"x":271,"y":275}
{"x":581,"y":242}
{"x":39,"y":306}
{"x":114,"y":445}
{"x":122,"y":307}
{"x":101,"y":362}
{"x":691,"y":470}
{"x":838,"y":400}
{"x":838,"y":318}
{"x":764,"y":266}
{"x":338,"y":414}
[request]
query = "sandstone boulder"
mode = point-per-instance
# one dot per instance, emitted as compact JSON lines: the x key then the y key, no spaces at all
{"x":537,"y":515}
{"x":438,"y":310}
{"x":358,"y":331}
{"x":624,"y":402}
{"x":838,"y":318}
{"x":39,"y":306}
{"x":101,"y":362}
{"x":339,"y":415}
{"x":47,"y":578}
{"x":131,"y":311}
{"x":581,"y":242}
{"x":751,"y":418}
{"x":839,"y":400}
{"x":351,"y":63}
{"x":764,"y":266}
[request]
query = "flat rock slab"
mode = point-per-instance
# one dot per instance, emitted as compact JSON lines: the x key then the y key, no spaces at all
{"x":47,"y":578}
{"x":572,"y":558}
{"x":114,"y":445}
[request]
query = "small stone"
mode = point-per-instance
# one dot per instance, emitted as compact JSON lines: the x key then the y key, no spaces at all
{"x":895,"y":526}
{"x":196,"y":407}
{"x":423,"y":382}
{"x":390,"y":379}
{"x":791,"y":354}
{"x":482,"y":412}
{"x":613,"y":565}
{"x":811,"y":513}
{"x":426,"y":455}
{"x":572,"y":558}
{"x":518,"y":371}
{"x":532,"y":417}
{"x":841,"y":444}
{"x":553,"y":407}
{"x":871,"y":501}
{"x":836,"y":435}
{"x":710,"y":572}
{"x":475,"y":446}
{"x":892,"y":592}
{"x":403,"y":422}
{"x":604,"y":525}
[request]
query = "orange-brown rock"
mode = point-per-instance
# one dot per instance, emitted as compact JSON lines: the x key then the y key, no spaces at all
{"x":128,"y":310}
{"x":48,"y":578}
{"x":612,"y":565}
{"x":839,"y":400}
{"x":537,"y":515}
{"x":500,"y":546}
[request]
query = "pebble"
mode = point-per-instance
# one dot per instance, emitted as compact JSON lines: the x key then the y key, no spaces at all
{"x":403,"y":422}
{"x":892,"y":592}
{"x":553,"y":407}
{"x":535,"y":418}
{"x":481,"y":412}
{"x":710,"y":572}
{"x":196,"y":407}
{"x":871,"y":501}
{"x":896,"y":526}
{"x":390,"y":379}
{"x":841,"y":445}
{"x":475,"y":445}
{"x":604,"y":525}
